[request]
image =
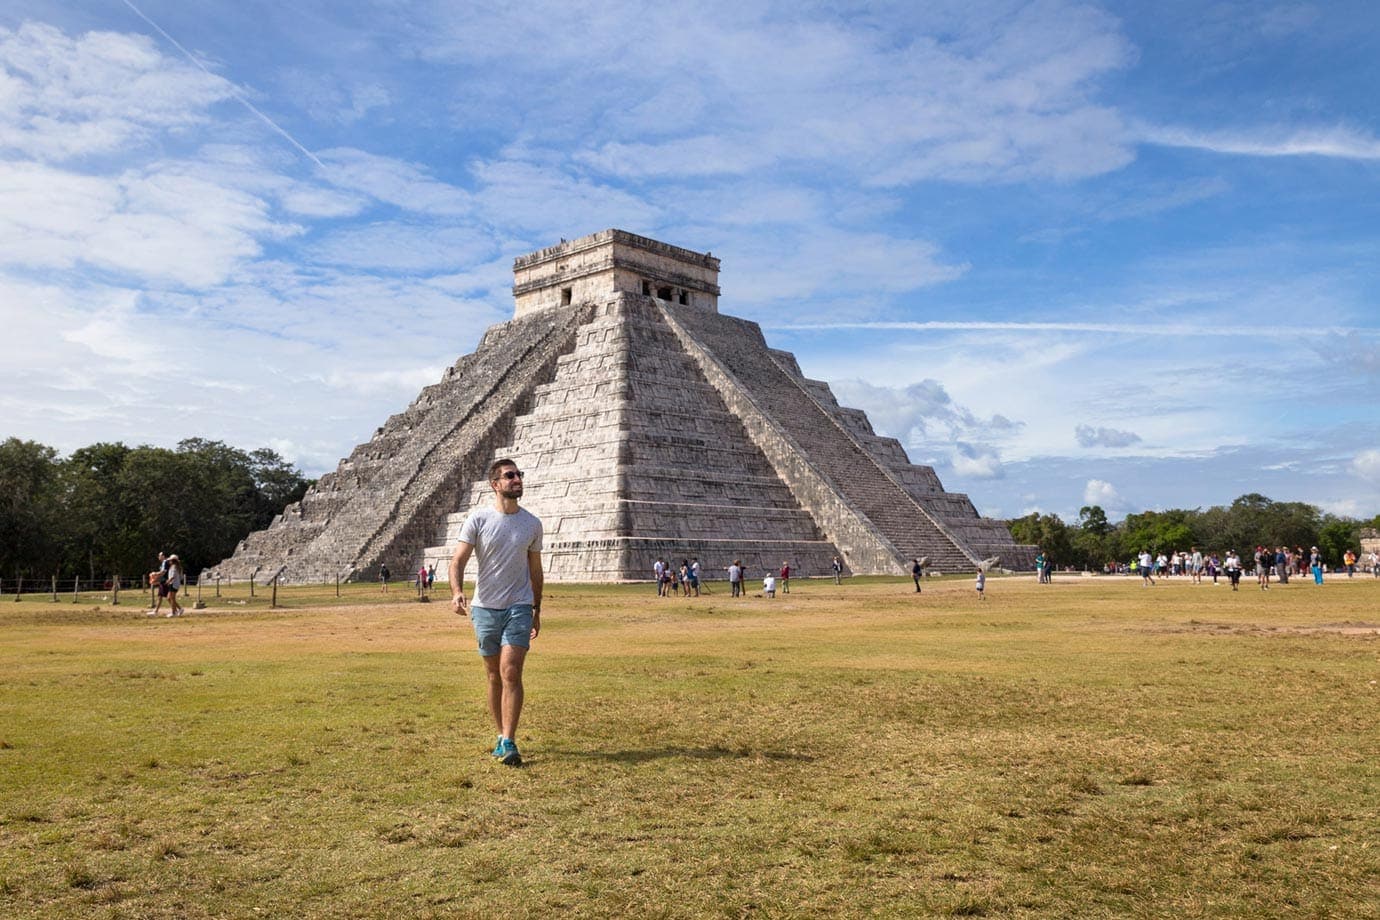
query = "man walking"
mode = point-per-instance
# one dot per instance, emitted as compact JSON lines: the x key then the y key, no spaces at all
{"x":506,"y":613}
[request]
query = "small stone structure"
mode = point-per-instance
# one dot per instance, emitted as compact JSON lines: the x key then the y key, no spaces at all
{"x":650,"y":425}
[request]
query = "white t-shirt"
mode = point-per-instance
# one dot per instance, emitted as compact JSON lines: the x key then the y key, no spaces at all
{"x":501,"y":543}
{"x":769,"y":583}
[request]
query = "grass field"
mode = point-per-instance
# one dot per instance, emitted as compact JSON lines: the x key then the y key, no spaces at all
{"x":1083,"y":749}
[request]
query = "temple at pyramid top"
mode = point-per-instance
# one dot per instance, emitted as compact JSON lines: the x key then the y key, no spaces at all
{"x":650,"y":425}
{"x":596,"y":266}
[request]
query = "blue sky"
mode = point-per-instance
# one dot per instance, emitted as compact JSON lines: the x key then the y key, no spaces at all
{"x":1068,"y":253}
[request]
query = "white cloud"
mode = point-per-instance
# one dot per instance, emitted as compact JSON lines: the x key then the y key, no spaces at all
{"x":406,"y":185}
{"x":916,"y":92}
{"x":1098,"y":492}
{"x":63,"y":97}
{"x":1366,"y":465}
{"x":975,"y":462}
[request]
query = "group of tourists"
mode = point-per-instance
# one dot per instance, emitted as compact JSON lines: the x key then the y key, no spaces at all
{"x":671,"y":579}
{"x":1264,"y":562}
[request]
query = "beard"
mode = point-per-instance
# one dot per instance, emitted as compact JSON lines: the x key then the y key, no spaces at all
{"x":511,"y":489}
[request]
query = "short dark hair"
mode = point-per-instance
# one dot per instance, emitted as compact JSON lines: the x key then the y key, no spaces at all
{"x":498,"y":465}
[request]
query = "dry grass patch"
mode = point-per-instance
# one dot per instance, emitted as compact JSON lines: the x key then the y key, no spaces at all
{"x":1088,"y":748}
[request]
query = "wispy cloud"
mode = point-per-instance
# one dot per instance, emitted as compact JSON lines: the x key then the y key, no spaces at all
{"x":1115,"y":329}
{"x":1339,"y":142}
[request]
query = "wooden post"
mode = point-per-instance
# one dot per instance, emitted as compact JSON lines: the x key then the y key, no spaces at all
{"x":115,"y":591}
{"x":54,"y":589}
{"x":76,"y":585}
{"x":18,"y":587}
{"x":251,"y":585}
{"x":217,"y":584}
{"x":337,"y":583}
{"x":274,"y":602}
{"x":199,"y":605}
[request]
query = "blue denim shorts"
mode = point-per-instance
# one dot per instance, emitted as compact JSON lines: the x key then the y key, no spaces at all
{"x":495,"y":628}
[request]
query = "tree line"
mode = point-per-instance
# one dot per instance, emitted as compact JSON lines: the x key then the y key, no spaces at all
{"x":108,"y":509}
{"x":1092,"y":541}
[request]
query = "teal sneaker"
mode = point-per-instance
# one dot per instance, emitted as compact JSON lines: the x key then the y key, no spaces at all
{"x":498,"y":748}
{"x":508,"y":753}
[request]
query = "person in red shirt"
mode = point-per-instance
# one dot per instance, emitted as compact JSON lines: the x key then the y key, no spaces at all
{"x":785,"y":577}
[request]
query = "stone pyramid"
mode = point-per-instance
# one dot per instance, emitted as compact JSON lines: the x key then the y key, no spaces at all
{"x":650,"y":425}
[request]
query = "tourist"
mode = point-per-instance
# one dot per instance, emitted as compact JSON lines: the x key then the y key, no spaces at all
{"x":173,"y":582}
{"x":431,"y":575}
{"x":785,"y":577}
{"x":695,"y":575}
{"x":915,"y":572}
{"x":1349,"y":560}
{"x":384,"y":575}
{"x":1146,"y":563}
{"x":1040,"y":567}
{"x":735,"y":578}
{"x":1375,"y":564}
{"x":769,"y":585}
{"x":1263,"y":561}
{"x":506,"y":541}
{"x":1214,"y":565}
{"x":659,"y":573}
{"x":1233,"y":567}
{"x":1315,"y":565}
{"x":1281,"y":564}
{"x":981,"y":584}
{"x":685,"y":578}
{"x":1195,"y":564}
{"x":421,"y":580}
{"x":837,"y":566}
{"x":157,"y":581}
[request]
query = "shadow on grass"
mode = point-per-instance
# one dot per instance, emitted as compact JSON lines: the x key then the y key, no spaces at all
{"x":647,"y":755}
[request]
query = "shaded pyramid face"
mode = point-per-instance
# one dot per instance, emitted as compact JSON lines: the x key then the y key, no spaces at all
{"x":650,"y":426}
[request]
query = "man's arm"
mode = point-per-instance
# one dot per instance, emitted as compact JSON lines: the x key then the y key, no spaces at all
{"x":457,"y":578}
{"x":534,"y":569}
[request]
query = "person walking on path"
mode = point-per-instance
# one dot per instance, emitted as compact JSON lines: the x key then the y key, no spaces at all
{"x":785,"y":577}
{"x":384,"y":575}
{"x":916,"y":570}
{"x":506,"y":542}
{"x":735,"y":578}
{"x":1315,"y":565}
{"x":175,"y":578}
{"x":158,"y":580}
{"x":1147,"y":567}
{"x":837,"y":566}
{"x":981,"y":584}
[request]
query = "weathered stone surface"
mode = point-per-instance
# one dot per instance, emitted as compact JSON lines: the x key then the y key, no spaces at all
{"x":650,"y":425}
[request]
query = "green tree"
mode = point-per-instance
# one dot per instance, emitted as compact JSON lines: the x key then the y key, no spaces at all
{"x":97,"y":518}
{"x":1048,"y":532}
{"x":1336,"y":536}
{"x":30,"y":514}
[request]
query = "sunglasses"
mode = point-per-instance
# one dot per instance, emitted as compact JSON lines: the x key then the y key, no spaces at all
{"x":512,"y":474}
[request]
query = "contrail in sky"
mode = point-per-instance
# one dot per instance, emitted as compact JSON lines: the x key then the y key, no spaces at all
{"x":239,"y":97}
{"x":1102,"y":328}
